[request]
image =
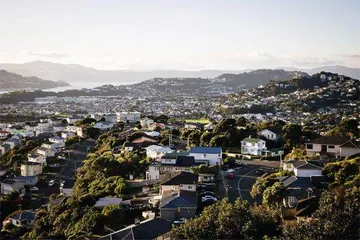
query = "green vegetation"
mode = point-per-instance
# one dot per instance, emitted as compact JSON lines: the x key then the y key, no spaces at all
{"x":102,"y":175}
{"x":345,"y":172}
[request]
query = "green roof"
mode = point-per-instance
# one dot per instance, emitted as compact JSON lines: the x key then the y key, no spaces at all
{"x":253,"y":140}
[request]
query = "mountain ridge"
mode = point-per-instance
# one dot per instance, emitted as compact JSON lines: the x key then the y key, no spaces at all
{"x":13,"y":81}
{"x":75,"y":73}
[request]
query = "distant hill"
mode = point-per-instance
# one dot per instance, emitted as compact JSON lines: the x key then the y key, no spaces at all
{"x":350,"y":72}
{"x":258,"y":77}
{"x":74,"y":73}
{"x":13,"y":81}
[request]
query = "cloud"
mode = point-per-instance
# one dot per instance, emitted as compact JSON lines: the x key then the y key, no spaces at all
{"x":48,"y":54}
{"x":350,"y":55}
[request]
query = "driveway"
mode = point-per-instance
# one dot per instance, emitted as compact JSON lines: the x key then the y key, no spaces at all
{"x":244,"y":178}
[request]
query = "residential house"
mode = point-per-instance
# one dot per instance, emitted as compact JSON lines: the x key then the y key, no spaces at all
{"x":145,"y":122}
{"x":4,"y":134}
{"x":103,"y":202}
{"x":59,"y":141}
{"x":31,"y":169}
{"x":178,"y":205}
{"x":211,"y":155}
{"x":71,"y":128}
{"x":325,"y":146}
{"x":73,"y":119}
{"x":170,"y":163}
{"x":46,"y":152}
{"x":37,"y":158}
{"x":23,"y":218}
{"x":27,"y":180}
{"x":128,"y":116}
{"x":144,"y":141}
{"x":154,"y":151}
{"x":180,"y":181}
{"x":105,"y":125}
{"x":54,"y":121}
{"x":111,"y":118}
{"x":270,"y":134}
{"x":150,"y":229}
{"x":153,"y":134}
{"x":80,"y":132}
{"x":349,"y":148}
{"x":306,"y":169}
{"x":58,"y":128}
{"x":296,"y":189}
{"x":51,"y":146}
{"x":67,"y":135}
{"x":8,"y":186}
{"x":253,"y":146}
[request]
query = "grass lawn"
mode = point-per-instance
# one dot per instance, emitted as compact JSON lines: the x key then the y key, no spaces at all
{"x":198,"y":120}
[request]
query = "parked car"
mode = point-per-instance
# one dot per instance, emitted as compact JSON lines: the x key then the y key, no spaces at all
{"x":34,"y":189}
{"x":230,"y":176}
{"x":260,"y":172}
{"x":206,"y":198}
{"x":207,"y":193}
{"x":51,"y":182}
{"x":208,"y":201}
{"x":206,"y":186}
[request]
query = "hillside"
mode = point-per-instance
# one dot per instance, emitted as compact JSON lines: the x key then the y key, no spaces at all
{"x":13,"y":81}
{"x":257,"y":77}
{"x":323,"y":91}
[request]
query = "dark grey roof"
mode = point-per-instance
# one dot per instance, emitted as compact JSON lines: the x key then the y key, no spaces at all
{"x":330,"y":140}
{"x":183,"y":199}
{"x":296,"y":182}
{"x":182,"y":178}
{"x":185,"y":161}
{"x":351,"y":144}
{"x":149,"y":229}
{"x":307,"y":165}
{"x":8,"y":181}
{"x":24,"y":215}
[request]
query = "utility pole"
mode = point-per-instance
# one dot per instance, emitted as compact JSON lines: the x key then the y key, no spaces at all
{"x":170,"y":138}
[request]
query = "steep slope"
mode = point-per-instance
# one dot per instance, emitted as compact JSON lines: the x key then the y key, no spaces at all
{"x":12,"y":81}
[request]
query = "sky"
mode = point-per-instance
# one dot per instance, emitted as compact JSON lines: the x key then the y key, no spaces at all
{"x":182,"y":34}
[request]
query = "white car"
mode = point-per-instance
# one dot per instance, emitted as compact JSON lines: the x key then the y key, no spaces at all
{"x":34,"y":189}
{"x":51,"y":183}
{"x":206,"y":198}
{"x":230,"y":170}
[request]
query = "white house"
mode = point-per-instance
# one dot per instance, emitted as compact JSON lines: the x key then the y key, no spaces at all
{"x":4,"y":134}
{"x":72,"y":120}
{"x":8,"y":186}
{"x":154,"y":151}
{"x":145,"y":122}
{"x":268,"y":134}
{"x":67,"y":135}
{"x":46,"y":152}
{"x":52,"y":146}
{"x":306,"y":169}
{"x":80,"y":132}
{"x":23,"y":218}
{"x":59,"y":141}
{"x":71,"y":129}
{"x":349,"y":148}
{"x":38,"y":158}
{"x":212,"y":154}
{"x":253,"y":146}
{"x":325,"y":145}
{"x":31,"y":169}
{"x":105,"y":125}
{"x":111,"y":118}
{"x":128,"y":116}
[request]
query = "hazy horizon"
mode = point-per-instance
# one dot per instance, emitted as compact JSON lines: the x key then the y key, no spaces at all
{"x":184,"y":35}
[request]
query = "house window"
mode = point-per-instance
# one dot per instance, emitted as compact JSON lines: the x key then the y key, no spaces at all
{"x":204,"y":156}
{"x":309,"y":146}
{"x":180,"y":185}
{"x":331,"y":146}
{"x":189,"y":187}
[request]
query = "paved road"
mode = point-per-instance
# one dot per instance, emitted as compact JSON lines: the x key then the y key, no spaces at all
{"x":244,"y":178}
{"x":67,"y":174}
